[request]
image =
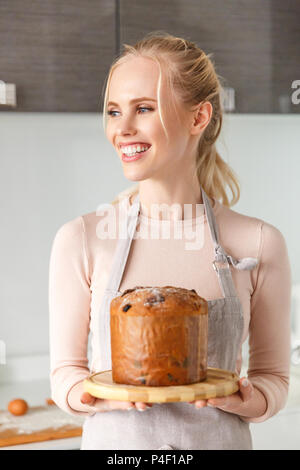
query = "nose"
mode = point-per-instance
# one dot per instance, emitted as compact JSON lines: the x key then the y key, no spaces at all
{"x":125,"y":132}
{"x":125,"y":125}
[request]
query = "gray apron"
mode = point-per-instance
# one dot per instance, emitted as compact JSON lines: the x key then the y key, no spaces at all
{"x":175,"y":425}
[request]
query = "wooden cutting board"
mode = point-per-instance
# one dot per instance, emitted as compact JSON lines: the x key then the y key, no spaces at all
{"x":219,"y":383}
{"x":40,"y":423}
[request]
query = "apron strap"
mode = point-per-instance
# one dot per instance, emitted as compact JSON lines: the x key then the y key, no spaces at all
{"x":224,"y":273}
{"x":112,"y":287}
{"x":211,"y":220}
{"x":122,"y":250}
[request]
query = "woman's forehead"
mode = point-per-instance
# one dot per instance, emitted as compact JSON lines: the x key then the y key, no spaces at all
{"x":133,"y":79}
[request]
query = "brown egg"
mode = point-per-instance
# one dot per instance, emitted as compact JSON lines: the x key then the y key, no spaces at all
{"x":49,"y":401}
{"x":17,"y":407}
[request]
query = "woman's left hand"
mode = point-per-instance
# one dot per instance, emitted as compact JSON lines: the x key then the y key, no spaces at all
{"x":234,"y":403}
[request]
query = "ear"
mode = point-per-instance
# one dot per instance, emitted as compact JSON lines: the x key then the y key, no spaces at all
{"x":201,"y":117}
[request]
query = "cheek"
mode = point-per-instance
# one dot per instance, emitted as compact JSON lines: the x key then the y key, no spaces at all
{"x":110,"y":131}
{"x":108,"y":134}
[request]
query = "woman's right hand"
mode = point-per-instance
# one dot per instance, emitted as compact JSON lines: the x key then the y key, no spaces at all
{"x":101,"y":404}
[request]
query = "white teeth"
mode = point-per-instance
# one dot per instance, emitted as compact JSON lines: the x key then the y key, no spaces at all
{"x":130,"y":150}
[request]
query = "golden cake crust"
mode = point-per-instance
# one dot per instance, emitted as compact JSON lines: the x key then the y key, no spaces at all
{"x":158,"y":336}
{"x":167,"y":300}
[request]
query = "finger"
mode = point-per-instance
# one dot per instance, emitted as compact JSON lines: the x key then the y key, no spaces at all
{"x":234,"y":401}
{"x":120,"y":405}
{"x":220,"y":402}
{"x":142,"y":406}
{"x":200,"y":403}
{"x":246,"y":389}
{"x":87,"y":399}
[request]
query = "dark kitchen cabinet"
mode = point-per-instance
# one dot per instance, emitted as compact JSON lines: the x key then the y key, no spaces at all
{"x":255,"y":44}
{"x":57,"y":52}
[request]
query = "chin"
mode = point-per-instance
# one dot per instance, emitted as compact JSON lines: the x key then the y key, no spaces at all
{"x":136,"y":175}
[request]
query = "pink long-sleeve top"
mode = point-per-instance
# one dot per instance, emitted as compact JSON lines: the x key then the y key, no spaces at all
{"x":80,"y":263}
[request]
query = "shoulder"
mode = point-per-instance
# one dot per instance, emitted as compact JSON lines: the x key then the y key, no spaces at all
{"x":88,"y":221}
{"x":69,"y":239}
{"x":90,"y":231}
{"x":105,"y":214}
{"x":96,"y":229}
{"x":251,"y":233}
{"x":70,"y":229}
{"x":274,"y":249}
{"x":235,"y":219}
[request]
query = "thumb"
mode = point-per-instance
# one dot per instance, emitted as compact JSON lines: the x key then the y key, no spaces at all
{"x":246,"y":389}
{"x":87,"y":399}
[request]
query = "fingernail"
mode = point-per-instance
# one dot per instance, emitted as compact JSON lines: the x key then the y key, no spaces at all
{"x":245,"y":383}
{"x":139,"y":409}
{"x":210,"y":404}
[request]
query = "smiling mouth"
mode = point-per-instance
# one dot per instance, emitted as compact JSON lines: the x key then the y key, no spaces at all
{"x":135,"y":156}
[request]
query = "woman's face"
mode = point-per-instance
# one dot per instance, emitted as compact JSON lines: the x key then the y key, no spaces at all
{"x":140,"y":122}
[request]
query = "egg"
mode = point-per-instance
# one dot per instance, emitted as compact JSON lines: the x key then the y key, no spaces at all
{"x":49,"y":401}
{"x":17,"y":407}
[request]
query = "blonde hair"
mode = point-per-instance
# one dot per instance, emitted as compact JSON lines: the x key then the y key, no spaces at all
{"x":191,"y":78}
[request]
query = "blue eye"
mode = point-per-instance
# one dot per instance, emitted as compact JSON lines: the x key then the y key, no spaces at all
{"x":141,"y":107}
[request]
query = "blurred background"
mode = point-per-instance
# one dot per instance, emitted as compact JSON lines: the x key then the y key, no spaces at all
{"x":56,"y":163}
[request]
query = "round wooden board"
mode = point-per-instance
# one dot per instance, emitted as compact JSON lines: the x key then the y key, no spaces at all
{"x":219,"y":383}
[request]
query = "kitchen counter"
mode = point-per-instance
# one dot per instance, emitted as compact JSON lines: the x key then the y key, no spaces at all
{"x":35,"y":393}
{"x":72,"y":443}
{"x":279,"y":432}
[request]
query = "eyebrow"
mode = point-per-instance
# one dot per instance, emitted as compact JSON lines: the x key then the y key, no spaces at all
{"x":143,"y":98}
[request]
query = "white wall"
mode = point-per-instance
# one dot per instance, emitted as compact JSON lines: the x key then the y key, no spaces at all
{"x":57,"y":166}
{"x":264,"y":151}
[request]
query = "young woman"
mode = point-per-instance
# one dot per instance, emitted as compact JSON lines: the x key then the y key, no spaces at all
{"x":163,"y":115}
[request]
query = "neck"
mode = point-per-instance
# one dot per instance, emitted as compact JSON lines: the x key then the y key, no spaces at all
{"x":175,"y":201}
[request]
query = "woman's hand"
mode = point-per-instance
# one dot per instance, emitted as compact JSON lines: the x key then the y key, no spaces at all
{"x":101,"y":404}
{"x":236,"y":403}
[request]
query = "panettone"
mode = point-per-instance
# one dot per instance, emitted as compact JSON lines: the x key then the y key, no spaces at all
{"x":158,"y":336}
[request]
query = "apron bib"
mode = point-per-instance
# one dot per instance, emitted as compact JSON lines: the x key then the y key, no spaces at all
{"x":175,"y":425}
